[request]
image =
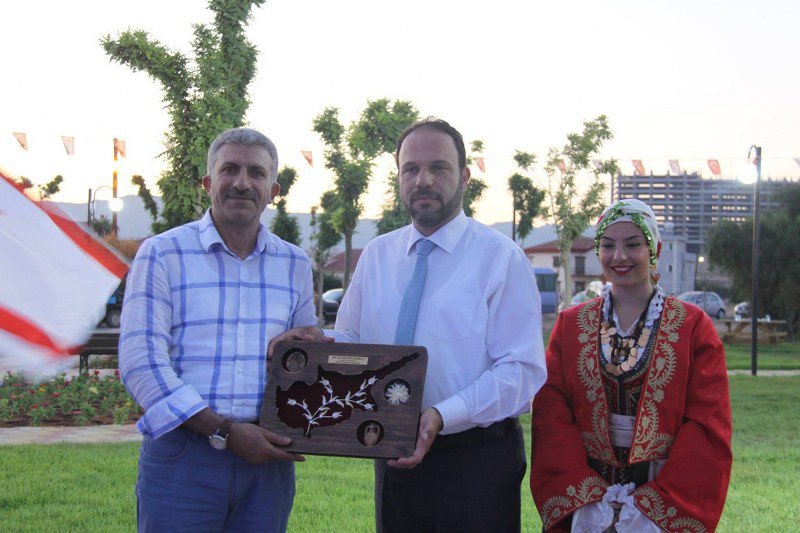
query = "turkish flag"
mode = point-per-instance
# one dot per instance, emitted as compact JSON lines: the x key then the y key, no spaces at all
{"x":713,"y":164}
{"x":57,"y":278}
{"x":638,"y":167}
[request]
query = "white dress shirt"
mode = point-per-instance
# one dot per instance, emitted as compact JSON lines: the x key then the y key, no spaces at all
{"x":479,"y":318}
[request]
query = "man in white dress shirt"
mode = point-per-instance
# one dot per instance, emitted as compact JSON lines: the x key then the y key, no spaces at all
{"x":480,"y":319}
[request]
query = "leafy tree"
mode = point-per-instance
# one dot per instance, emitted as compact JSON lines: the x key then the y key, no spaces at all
{"x":323,"y":237}
{"x":394,"y":215}
{"x":731,"y":250}
{"x":526,"y":198}
{"x":283,"y":224}
{"x":350,"y":153}
{"x":147,"y":198}
{"x":204,"y":95}
{"x":475,"y":186}
{"x":52,"y":187}
{"x":23,"y":183}
{"x":102,"y":225}
{"x":569,"y":211}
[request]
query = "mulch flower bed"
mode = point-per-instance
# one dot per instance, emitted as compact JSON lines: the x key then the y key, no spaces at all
{"x":86,"y":400}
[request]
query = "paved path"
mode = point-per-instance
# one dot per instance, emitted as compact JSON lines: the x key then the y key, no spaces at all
{"x":49,"y":435}
{"x":765,"y":373}
{"x":128,"y":433}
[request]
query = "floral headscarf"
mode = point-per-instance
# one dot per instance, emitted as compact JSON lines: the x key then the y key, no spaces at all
{"x":640,"y":214}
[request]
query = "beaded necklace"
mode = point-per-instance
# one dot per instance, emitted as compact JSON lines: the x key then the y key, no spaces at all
{"x":623,"y":352}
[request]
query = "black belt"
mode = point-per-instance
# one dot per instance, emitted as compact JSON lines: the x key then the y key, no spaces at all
{"x":476,"y":435}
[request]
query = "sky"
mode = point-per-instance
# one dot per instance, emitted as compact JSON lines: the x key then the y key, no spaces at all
{"x":687,"y":80}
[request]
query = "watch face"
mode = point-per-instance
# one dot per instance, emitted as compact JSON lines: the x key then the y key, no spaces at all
{"x":217,"y":442}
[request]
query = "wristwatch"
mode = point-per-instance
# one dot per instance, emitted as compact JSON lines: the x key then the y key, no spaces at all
{"x":219,"y":440}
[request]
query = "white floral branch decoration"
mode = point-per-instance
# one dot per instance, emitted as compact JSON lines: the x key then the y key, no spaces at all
{"x":332,"y":406}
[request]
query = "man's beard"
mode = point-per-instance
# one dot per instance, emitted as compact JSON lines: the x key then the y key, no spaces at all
{"x":430,"y":218}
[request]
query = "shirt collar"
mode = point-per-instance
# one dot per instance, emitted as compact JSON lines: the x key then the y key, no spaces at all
{"x":209,"y":236}
{"x":446,"y":237}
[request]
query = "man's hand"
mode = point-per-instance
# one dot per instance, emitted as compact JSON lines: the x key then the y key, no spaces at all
{"x":430,"y":423}
{"x":305,"y":333}
{"x":256,"y":445}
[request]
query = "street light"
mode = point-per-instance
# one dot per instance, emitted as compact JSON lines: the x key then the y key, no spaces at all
{"x":700,"y":260}
{"x":114,"y":204}
{"x":750,"y":177}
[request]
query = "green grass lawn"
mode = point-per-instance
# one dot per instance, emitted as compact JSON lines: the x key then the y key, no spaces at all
{"x":68,"y":487}
{"x":784,"y":356}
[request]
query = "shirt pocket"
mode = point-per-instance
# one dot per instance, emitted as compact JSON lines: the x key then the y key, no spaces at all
{"x":456,"y":314}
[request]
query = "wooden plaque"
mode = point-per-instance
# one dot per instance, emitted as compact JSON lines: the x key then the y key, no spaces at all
{"x":355,"y":400}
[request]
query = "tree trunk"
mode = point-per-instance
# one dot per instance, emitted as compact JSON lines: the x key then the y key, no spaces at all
{"x":348,"y":249}
{"x":514,"y":219}
{"x":565,"y":264}
{"x":320,"y":289}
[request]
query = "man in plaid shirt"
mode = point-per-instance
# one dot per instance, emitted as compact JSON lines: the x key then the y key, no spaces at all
{"x":202,"y":303}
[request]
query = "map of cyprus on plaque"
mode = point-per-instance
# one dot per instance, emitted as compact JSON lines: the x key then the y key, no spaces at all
{"x":360,"y":400}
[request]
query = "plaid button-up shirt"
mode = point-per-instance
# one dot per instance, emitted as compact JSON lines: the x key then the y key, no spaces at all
{"x":197,"y":321}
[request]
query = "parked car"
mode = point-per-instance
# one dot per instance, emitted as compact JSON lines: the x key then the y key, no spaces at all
{"x":593,"y":290}
{"x":710,"y":302}
{"x":330,"y":304}
{"x":546,"y":282}
{"x":741,"y":310}
{"x":114,"y":307}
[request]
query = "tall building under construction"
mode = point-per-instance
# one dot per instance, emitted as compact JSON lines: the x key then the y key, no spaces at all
{"x":693,"y":204}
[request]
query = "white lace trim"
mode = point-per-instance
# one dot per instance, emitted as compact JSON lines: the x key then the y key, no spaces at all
{"x":653,"y":313}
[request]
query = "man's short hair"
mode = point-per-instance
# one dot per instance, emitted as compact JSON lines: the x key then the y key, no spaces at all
{"x":438,"y":125}
{"x":244,"y":137}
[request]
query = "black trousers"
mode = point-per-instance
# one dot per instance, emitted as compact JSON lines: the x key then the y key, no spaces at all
{"x":468,"y":482}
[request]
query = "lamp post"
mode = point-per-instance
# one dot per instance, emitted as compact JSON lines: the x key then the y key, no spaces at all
{"x":700,"y":260}
{"x":114,"y":188}
{"x":756,"y":231}
{"x":115,"y":205}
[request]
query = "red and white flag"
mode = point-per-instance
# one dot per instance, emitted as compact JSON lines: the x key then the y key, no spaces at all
{"x":561,"y":166}
{"x":675,"y":166}
{"x":481,"y":165}
{"x":309,"y":157}
{"x":57,"y":278}
{"x":797,"y":160}
{"x":713,"y":164}
{"x":22,"y":139}
{"x":638,"y":167}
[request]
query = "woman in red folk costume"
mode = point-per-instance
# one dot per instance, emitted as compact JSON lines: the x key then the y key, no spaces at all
{"x":632,"y":431}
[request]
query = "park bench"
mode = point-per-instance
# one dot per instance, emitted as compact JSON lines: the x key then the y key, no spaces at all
{"x":739,"y":331}
{"x":102,"y":342}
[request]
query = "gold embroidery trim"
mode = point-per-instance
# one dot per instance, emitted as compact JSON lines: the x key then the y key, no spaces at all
{"x":557,"y":507}
{"x":648,"y":442}
{"x":651,"y":504}
{"x":596,"y":442}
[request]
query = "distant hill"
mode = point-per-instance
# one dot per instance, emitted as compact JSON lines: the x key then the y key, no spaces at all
{"x":134,"y":222}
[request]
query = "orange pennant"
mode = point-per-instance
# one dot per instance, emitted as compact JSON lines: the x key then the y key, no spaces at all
{"x":119,"y":147}
{"x":69,"y":144}
{"x":22,"y":139}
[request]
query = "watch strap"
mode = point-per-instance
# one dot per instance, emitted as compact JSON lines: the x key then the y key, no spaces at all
{"x":224,"y":428}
